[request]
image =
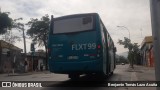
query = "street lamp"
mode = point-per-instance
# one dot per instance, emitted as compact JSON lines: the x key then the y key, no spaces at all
{"x":125,"y":28}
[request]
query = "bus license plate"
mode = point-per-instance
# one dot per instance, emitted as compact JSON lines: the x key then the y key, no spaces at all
{"x":73,"y":57}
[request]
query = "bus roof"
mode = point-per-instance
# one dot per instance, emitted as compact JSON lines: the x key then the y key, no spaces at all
{"x":75,"y":15}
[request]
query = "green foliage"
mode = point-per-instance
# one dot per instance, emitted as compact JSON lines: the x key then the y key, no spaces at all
{"x":10,"y":38}
{"x":127,"y":43}
{"x":133,"y":49}
{"x":38,"y":30}
{"x":5,"y":22}
{"x":121,"y":59}
{"x":17,"y":24}
{"x":6,"y":25}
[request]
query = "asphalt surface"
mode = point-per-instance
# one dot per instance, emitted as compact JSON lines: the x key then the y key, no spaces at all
{"x":121,"y":73}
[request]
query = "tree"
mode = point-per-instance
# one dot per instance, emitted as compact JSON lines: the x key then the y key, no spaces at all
{"x":121,"y":59}
{"x":20,"y":26}
{"x":6,"y":26}
{"x":133,"y":50}
{"x":9,"y":36}
{"x":38,"y":31}
{"x":5,"y":22}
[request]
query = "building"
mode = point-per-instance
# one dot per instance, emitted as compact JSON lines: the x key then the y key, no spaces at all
{"x":35,"y":61}
{"x":147,"y":58}
{"x":10,"y":56}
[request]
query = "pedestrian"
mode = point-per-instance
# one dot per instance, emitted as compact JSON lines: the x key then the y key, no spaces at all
{"x":26,"y":65}
{"x":13,"y":64}
{"x":41,"y":67}
{"x":36,"y":65}
{"x":8,"y":64}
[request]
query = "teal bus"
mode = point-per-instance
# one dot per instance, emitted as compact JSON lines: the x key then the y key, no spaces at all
{"x":80,"y":44}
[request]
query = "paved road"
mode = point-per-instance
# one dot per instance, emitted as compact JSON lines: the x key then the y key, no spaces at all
{"x":121,"y":73}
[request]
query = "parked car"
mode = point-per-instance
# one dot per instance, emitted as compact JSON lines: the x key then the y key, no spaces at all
{"x":122,"y":63}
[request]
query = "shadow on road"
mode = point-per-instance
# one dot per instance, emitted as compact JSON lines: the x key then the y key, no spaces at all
{"x":83,"y":83}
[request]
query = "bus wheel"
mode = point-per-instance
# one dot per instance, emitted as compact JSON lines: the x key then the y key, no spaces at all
{"x":101,"y":77}
{"x":73,"y":76}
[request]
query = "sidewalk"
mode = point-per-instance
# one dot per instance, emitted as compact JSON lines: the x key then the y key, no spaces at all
{"x":142,"y":73}
{"x":24,"y":74}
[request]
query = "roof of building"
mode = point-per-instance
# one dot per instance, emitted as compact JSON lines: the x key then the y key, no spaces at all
{"x":4,"y":44}
{"x":147,"y":39}
{"x":39,"y":54}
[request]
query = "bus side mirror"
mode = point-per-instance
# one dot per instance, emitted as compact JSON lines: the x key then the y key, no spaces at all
{"x":115,"y":49}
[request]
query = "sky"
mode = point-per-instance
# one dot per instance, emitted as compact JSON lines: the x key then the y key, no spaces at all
{"x":134,"y":15}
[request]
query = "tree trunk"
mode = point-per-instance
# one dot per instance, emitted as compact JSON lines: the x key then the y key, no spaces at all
{"x":131,"y":57}
{"x":132,"y":63}
{"x":46,"y":57}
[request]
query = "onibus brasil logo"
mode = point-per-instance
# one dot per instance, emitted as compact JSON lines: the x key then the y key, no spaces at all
{"x":21,"y":84}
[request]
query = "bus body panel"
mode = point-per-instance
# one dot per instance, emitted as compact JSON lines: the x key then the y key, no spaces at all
{"x":83,"y":67}
{"x":85,"y":60}
{"x":102,"y":39}
{"x":64,"y":46}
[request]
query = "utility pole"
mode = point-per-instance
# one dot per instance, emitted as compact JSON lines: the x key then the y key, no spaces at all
{"x":32,"y":53}
{"x":141,"y":32}
{"x":24,"y":40}
{"x":155,"y":21}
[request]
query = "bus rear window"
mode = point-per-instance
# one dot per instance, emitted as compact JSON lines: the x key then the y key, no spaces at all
{"x":70,"y":25}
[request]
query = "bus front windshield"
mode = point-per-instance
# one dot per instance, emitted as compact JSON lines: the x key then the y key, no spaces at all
{"x":70,"y":25}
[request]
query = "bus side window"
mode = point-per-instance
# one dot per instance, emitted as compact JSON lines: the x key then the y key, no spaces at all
{"x":108,"y":41}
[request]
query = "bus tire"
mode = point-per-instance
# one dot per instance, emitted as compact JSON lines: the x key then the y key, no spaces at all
{"x":73,"y":76}
{"x":101,"y":76}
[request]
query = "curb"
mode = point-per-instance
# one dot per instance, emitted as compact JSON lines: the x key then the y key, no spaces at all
{"x":19,"y":74}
